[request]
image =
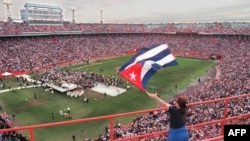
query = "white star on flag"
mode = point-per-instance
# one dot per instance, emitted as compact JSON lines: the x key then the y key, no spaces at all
{"x":132,"y":76}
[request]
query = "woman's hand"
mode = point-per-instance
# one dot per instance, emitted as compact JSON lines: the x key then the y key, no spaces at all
{"x":151,"y":95}
{"x":160,"y":101}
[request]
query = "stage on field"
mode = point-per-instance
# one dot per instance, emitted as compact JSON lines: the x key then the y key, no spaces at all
{"x":109,"y":90}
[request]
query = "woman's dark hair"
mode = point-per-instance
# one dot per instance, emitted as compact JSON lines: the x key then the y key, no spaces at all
{"x":181,"y":100}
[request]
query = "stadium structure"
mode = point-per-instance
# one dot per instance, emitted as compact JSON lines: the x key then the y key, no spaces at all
{"x":41,"y":14}
{"x":223,"y":100}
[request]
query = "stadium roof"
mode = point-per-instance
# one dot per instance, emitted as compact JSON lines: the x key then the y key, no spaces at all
{"x":41,"y":6}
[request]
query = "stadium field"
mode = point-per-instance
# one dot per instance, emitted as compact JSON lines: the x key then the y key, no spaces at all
{"x":30,"y":111}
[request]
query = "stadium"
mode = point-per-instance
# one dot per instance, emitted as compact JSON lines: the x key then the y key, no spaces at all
{"x":59,"y":80}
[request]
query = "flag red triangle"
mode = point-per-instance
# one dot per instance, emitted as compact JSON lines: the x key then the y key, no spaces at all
{"x":133,"y":75}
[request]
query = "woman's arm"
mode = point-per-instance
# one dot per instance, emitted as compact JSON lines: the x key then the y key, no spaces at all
{"x":167,"y":105}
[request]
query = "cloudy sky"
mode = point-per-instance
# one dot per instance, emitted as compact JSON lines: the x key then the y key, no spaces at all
{"x":143,"y":11}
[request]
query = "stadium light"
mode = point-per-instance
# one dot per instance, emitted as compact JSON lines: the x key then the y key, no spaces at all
{"x":73,"y":13}
{"x":101,"y":16}
{"x":7,"y":3}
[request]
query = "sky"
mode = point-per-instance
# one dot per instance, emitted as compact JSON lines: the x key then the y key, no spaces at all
{"x":141,"y":11}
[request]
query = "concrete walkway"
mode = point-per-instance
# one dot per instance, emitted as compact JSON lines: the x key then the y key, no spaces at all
{"x":204,"y":80}
{"x":24,"y":87}
{"x":18,"y":88}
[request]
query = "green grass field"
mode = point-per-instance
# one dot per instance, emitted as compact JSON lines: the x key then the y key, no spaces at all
{"x":31,"y":111}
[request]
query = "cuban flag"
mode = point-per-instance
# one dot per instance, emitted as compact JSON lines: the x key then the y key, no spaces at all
{"x":145,"y":63}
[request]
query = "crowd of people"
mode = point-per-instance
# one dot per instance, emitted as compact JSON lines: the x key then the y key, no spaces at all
{"x":35,"y":53}
{"x":83,"y":79}
{"x":47,"y":52}
{"x":216,"y":27}
{"x":5,"y":123}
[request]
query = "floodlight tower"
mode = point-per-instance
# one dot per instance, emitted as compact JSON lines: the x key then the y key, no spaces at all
{"x":101,"y":16}
{"x":7,"y":3}
{"x":73,"y":14}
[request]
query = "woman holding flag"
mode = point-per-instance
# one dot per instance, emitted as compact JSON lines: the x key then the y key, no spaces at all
{"x":141,"y":67}
{"x":178,"y":130}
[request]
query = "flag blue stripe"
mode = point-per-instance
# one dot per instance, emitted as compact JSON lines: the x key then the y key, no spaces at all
{"x":144,"y":54}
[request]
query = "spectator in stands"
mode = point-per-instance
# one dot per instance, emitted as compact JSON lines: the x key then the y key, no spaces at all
{"x":178,"y":130}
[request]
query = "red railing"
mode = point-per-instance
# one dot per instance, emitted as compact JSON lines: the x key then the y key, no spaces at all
{"x":112,"y":117}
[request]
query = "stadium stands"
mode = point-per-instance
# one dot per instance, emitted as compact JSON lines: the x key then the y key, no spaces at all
{"x":36,"y":53}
